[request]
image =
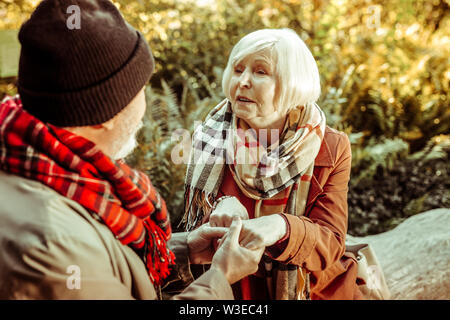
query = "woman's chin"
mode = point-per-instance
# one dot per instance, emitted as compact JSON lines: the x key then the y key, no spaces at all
{"x":244,"y":113}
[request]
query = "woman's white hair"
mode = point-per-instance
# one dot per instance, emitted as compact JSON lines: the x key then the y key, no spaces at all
{"x":298,"y":80}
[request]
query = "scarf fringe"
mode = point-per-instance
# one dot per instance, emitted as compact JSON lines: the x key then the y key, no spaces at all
{"x":198,"y":206}
{"x":157,"y":266}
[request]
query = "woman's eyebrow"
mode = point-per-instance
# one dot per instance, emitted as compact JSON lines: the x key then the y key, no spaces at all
{"x":263,"y":60}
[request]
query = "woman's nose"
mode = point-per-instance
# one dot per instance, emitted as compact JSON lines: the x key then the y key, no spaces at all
{"x":244,"y":80}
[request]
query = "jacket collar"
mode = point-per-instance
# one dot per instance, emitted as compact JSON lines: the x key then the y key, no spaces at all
{"x":324,"y":157}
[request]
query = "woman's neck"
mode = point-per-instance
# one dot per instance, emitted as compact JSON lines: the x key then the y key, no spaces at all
{"x":269,"y":135}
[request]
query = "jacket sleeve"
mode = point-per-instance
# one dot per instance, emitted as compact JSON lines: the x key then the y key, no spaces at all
{"x":212,"y":285}
{"x":318,"y":241}
{"x":54,"y":271}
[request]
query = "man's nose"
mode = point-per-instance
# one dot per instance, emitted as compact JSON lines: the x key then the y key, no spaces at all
{"x":245,"y":80}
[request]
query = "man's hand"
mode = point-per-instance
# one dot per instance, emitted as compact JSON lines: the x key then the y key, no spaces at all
{"x":200,"y":243}
{"x":224,"y":212}
{"x":232,"y":259}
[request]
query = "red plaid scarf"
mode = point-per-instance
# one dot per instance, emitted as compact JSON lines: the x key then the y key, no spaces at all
{"x":74,"y":167}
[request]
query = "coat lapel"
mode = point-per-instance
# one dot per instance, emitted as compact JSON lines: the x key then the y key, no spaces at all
{"x":323,"y":160}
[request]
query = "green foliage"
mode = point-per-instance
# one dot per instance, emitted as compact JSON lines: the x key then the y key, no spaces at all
{"x":410,"y":187}
{"x":376,"y":154}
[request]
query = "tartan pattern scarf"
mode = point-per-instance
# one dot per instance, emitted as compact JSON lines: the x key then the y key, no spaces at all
{"x":74,"y":167}
{"x":277,"y":178}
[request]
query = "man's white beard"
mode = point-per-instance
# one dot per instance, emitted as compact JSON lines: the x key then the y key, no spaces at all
{"x":129,"y":146}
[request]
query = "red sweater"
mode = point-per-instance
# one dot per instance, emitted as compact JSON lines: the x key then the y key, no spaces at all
{"x":254,"y":286}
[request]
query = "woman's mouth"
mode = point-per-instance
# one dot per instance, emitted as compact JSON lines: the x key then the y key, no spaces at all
{"x":243,"y":99}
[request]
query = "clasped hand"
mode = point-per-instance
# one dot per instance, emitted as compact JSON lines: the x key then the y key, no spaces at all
{"x":242,"y":242}
{"x":256,"y":233}
{"x":232,"y":259}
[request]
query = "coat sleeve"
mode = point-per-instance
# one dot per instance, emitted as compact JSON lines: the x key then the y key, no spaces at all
{"x":318,"y":241}
{"x":53,"y":271}
{"x":212,"y":285}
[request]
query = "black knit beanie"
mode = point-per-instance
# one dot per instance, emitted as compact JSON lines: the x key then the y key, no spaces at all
{"x":85,"y":76}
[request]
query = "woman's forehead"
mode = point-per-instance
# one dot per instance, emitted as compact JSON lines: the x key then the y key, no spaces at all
{"x":264,"y":56}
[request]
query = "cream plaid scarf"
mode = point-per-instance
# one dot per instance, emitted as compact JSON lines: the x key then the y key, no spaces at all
{"x":276,"y":177}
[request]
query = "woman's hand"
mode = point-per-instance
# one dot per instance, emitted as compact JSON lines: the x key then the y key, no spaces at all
{"x":226,"y":209}
{"x":262,"y":232}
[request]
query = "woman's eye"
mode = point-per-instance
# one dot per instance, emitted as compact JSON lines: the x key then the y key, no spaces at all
{"x":238,"y":70}
{"x":261,"y":71}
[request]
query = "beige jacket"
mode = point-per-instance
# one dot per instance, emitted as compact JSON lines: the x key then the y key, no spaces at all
{"x":48,"y":242}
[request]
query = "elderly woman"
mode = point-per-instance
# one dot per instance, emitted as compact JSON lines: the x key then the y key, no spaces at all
{"x":266,"y":154}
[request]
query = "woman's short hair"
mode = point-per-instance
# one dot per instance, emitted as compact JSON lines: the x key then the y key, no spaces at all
{"x":297,"y":74}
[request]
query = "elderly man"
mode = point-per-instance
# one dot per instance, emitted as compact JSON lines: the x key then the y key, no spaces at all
{"x":75,"y":221}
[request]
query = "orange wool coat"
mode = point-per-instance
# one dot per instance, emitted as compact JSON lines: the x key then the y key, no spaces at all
{"x":317,"y":239}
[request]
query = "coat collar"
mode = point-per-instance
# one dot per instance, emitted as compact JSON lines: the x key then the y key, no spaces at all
{"x":324,"y":157}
